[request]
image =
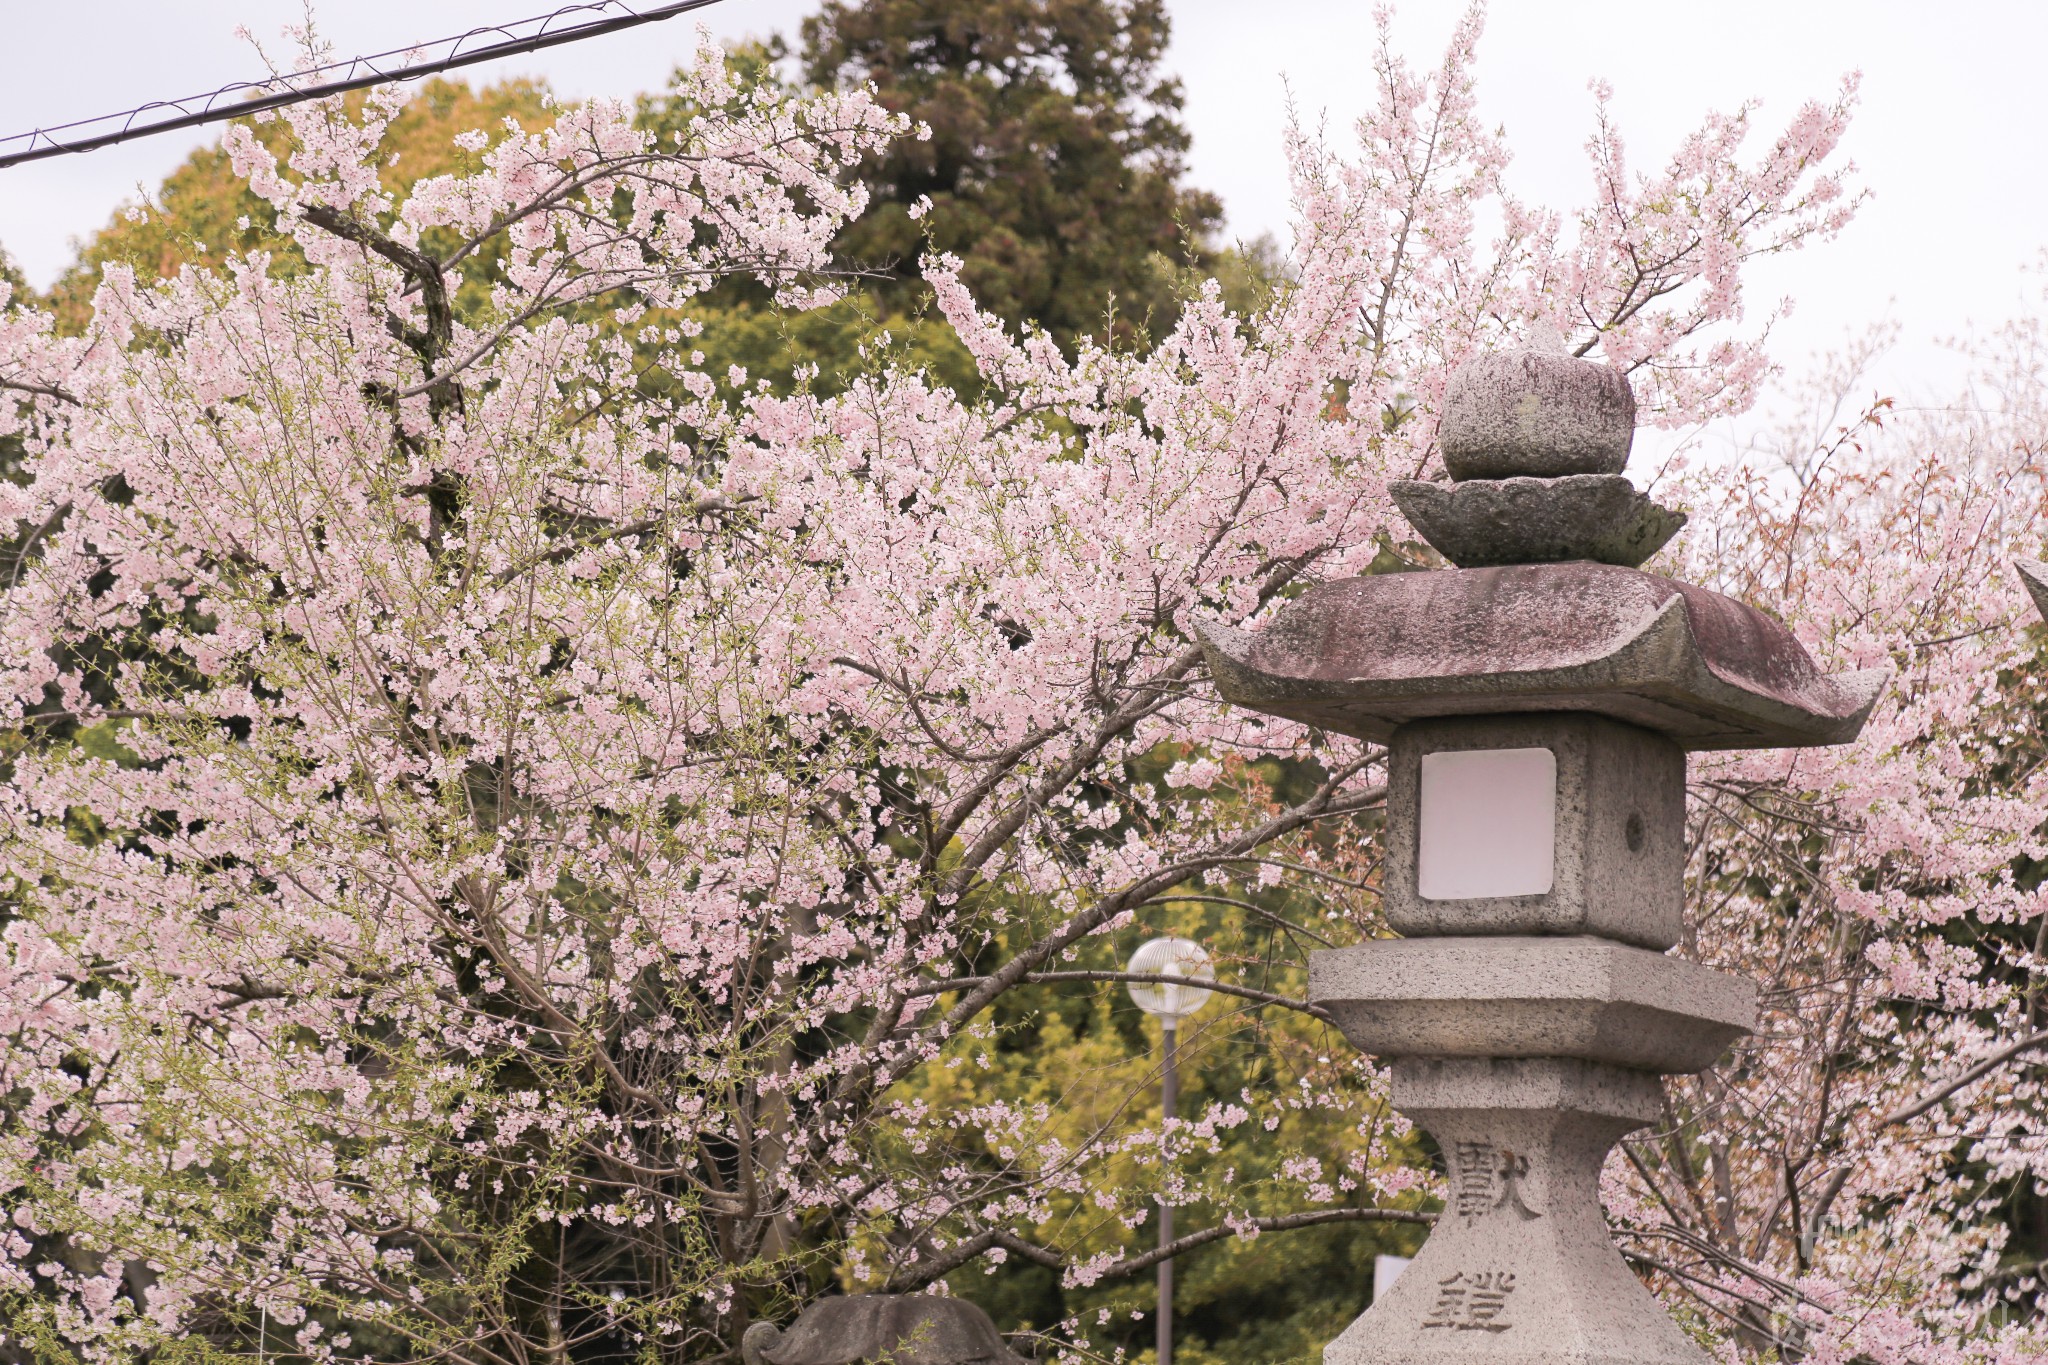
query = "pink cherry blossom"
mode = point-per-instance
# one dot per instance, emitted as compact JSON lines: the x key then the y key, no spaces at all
{"x":495,"y":829}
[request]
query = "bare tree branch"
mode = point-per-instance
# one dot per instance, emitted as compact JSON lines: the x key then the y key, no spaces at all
{"x":1220,"y":987}
{"x":925,"y":1271}
{"x":1975,"y":1073}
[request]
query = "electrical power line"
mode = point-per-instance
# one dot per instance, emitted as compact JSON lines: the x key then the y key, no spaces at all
{"x":400,"y":64}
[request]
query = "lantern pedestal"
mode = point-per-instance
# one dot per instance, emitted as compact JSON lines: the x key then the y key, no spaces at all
{"x":1520,"y":1269}
{"x":1526,"y":1058}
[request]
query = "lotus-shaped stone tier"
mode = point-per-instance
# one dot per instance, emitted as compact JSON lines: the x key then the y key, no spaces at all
{"x":1484,"y":522}
{"x":1367,"y":654}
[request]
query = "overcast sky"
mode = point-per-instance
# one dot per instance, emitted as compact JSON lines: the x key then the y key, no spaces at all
{"x":1949,"y":137}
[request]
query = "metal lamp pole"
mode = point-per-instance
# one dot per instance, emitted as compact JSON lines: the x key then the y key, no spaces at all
{"x":1170,"y":1002}
{"x":1169,"y":1107}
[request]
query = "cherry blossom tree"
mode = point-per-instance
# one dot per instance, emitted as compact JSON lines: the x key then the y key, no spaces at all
{"x":504,"y":840}
{"x":1835,"y":1191}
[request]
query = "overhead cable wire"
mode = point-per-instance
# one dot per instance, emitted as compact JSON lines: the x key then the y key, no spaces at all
{"x":241,"y":98}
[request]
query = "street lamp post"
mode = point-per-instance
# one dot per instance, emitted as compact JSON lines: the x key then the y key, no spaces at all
{"x":1170,"y":1003}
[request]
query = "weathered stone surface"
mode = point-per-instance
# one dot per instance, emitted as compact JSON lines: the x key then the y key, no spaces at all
{"x":1365,"y":655}
{"x":1520,"y":1269}
{"x":882,"y":1329}
{"x":1620,"y":831}
{"x":1542,"y":1084}
{"x":2034,"y":577}
{"x":1532,"y":997}
{"x":1535,"y":412}
{"x":1485,"y":522}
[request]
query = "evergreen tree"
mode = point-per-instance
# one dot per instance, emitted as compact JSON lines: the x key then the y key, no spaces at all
{"x":1055,"y":162}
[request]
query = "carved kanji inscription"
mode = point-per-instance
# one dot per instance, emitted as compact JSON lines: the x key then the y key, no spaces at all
{"x":1485,"y":1177}
{"x":1473,"y":1301}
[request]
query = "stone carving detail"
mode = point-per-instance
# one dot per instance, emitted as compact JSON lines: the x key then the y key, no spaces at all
{"x":1364,"y":656}
{"x":1600,"y":517}
{"x":1536,"y":410}
{"x":1474,"y":1301}
{"x":1524,"y":1140}
{"x":1485,"y":1178}
{"x":881,"y":1329}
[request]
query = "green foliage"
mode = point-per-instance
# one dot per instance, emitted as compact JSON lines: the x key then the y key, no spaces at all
{"x":202,"y":212}
{"x":10,"y":275}
{"x":1087,"y":1050}
{"x":1055,"y":158}
{"x":1091,"y":1059}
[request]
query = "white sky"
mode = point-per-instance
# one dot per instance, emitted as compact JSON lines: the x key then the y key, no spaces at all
{"x":1948,"y":138}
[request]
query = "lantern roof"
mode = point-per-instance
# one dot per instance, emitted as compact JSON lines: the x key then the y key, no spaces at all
{"x":1365,"y":655}
{"x":1546,"y":610}
{"x":2034,"y":578}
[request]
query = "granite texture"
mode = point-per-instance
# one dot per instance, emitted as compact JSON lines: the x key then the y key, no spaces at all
{"x":1427,"y":1084}
{"x":1364,"y":655}
{"x":882,"y":1329}
{"x":1582,"y":997}
{"x":1535,"y":412}
{"x":1620,"y":831}
{"x":1485,"y":522}
{"x":1520,"y":1269}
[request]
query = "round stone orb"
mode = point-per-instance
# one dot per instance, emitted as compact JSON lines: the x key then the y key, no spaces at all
{"x":1536,"y":414}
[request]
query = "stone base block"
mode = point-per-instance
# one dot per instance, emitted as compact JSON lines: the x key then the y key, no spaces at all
{"x":1532,"y":997}
{"x":1520,"y":1269}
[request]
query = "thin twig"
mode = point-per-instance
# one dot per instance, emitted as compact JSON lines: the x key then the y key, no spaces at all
{"x":1975,"y":1073}
{"x":961,"y":983}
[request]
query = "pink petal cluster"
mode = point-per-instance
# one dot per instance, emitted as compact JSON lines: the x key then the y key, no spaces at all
{"x":474,"y":786}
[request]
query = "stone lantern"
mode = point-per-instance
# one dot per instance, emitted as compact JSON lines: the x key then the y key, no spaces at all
{"x":1537,"y":703}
